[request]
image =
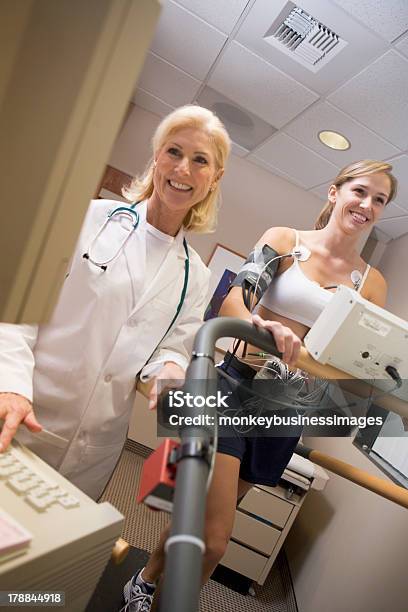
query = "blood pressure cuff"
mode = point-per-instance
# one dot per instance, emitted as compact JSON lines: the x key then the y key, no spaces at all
{"x":257,"y":273}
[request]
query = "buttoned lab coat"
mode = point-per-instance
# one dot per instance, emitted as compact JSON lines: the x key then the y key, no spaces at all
{"x":79,"y":369}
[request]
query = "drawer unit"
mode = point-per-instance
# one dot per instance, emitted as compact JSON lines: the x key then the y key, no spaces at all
{"x":254,"y":533}
{"x":244,"y":561}
{"x":268,"y":507}
{"x":262,"y":521}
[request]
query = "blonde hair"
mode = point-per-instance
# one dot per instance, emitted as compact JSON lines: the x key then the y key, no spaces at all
{"x":202,"y":217}
{"x":354,"y":170}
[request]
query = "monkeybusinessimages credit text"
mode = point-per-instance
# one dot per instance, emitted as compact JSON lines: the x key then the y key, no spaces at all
{"x":191,"y":410}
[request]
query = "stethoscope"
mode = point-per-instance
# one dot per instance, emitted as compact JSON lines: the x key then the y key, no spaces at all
{"x":130,"y":213}
{"x":125,"y":211}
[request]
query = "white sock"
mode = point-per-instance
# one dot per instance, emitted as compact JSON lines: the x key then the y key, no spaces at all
{"x":140,"y":580}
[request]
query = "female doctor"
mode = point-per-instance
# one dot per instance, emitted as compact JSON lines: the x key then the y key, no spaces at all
{"x":131,"y":304}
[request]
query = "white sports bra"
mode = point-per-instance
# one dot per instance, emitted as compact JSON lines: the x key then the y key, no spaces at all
{"x":293,"y":295}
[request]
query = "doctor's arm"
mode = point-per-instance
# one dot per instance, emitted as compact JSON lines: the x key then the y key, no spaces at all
{"x":16,"y":380}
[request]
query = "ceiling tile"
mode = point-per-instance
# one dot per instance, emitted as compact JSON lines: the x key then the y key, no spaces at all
{"x":186,"y":40}
{"x":402,"y":46}
{"x":363,"y":46}
{"x":244,"y":128}
{"x":289,"y":156}
{"x":388,"y":18}
{"x":269,"y":168}
{"x":324,"y":116}
{"x":378,"y":98}
{"x":237,"y":150}
{"x":150,"y":103}
{"x":167,"y":82}
{"x":265,"y":91}
{"x":223,"y":14}
{"x":400,"y":170}
{"x":380,"y":236}
{"x":321,"y":190}
{"x":392,"y":211}
{"x":394,"y":227}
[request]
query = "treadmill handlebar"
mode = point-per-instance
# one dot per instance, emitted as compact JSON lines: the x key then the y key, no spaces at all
{"x":224,"y":327}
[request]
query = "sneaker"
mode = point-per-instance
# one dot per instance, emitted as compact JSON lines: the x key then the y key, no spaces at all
{"x":137,"y":599}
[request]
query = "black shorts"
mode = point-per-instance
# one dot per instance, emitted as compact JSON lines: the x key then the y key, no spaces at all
{"x":263,"y":459}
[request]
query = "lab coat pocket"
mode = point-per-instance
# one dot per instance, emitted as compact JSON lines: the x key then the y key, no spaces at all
{"x":48,"y":446}
{"x":104,"y":456}
{"x":48,"y":437}
{"x":44,"y":437}
{"x":92,"y":472}
{"x":103,"y":449}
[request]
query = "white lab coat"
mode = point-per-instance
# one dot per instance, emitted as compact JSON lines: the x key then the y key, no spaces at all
{"x":80,"y":368}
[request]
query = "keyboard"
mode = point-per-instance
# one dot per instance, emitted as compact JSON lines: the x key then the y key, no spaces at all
{"x":58,"y":539}
{"x":36,"y":487}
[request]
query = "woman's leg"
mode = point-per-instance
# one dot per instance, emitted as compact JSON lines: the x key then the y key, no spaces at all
{"x":243,"y":488}
{"x":155,"y":564}
{"x":225,"y":488}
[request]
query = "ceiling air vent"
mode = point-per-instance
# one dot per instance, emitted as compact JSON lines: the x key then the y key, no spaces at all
{"x":304,"y":38}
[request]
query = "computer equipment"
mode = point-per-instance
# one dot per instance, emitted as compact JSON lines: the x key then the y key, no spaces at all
{"x":358,"y":337}
{"x":62,"y":538}
{"x":58,"y":126}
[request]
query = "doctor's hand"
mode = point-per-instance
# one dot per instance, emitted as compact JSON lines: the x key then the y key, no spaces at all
{"x":174,"y":376}
{"x":15,"y":409}
{"x":287,"y":342}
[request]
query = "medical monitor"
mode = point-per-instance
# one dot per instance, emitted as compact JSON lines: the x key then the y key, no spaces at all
{"x":68,"y":72}
{"x":358,"y":337}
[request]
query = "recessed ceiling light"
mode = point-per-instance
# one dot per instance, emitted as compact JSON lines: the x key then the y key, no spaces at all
{"x":334,"y":140}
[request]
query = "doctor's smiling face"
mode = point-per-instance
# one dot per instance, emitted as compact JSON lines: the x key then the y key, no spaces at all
{"x":181,"y":182}
{"x":185,"y":171}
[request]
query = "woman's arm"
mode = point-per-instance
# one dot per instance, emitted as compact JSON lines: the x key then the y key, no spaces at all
{"x":280,"y":239}
{"x":274,"y":243}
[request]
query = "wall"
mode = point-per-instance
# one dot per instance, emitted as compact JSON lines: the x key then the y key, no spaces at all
{"x":348,"y":548}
